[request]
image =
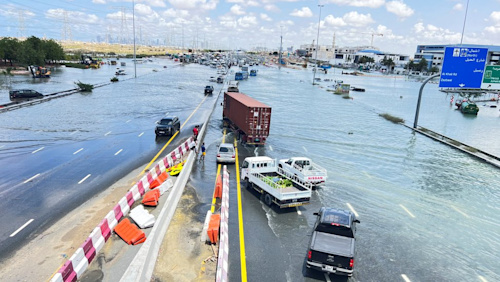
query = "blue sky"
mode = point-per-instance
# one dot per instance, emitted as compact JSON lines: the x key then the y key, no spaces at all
{"x":258,"y":23}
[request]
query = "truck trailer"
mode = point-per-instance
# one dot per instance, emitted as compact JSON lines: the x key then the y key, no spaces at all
{"x":249,"y":118}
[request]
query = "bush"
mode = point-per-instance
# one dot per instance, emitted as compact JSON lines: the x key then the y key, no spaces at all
{"x":84,"y":87}
{"x":392,"y":118}
{"x":114,"y":79}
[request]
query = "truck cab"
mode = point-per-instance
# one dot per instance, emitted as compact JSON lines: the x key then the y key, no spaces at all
{"x":304,"y":170}
{"x":257,"y":164}
{"x":332,"y":244}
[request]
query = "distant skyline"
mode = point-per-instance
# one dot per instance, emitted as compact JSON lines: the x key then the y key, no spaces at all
{"x":246,"y":24}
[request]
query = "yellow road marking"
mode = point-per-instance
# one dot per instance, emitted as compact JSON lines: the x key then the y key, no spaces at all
{"x":164,"y":147}
{"x":243,"y":261}
{"x":212,"y":209}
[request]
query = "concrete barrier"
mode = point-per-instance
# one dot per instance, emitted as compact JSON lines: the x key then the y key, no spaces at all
{"x":142,"y":217}
{"x":223,"y":256}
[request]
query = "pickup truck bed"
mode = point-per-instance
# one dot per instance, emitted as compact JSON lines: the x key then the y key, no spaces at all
{"x":333,"y":244}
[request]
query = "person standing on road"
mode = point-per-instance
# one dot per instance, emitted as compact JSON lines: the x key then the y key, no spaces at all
{"x":195,"y":132}
{"x":203,"y":152}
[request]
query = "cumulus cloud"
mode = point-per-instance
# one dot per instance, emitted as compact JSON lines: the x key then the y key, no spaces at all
{"x":194,"y":4}
{"x":458,"y":7}
{"x":399,"y":8}
{"x":75,"y":16}
{"x":358,"y":3}
{"x":173,"y":13}
{"x":265,"y":17}
{"x":99,"y":1}
{"x":305,"y":12}
{"x":10,"y":10}
{"x":356,"y":19}
{"x":333,"y":21}
{"x":271,"y":8}
{"x":495,"y":18}
{"x":246,"y":3}
{"x":237,"y":10}
{"x":247,"y":21}
{"x":153,"y":3}
{"x":435,"y":34}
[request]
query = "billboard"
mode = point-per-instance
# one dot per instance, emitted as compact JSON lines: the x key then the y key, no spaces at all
{"x":463,"y":67}
{"x":491,"y":78}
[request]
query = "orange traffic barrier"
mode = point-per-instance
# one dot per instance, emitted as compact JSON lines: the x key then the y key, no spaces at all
{"x":130,"y":233}
{"x":213,"y":228}
{"x":151,"y":198}
{"x":218,"y":187}
{"x":158,"y":180}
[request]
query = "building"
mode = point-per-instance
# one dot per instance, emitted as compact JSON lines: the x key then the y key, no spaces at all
{"x":349,"y":55}
{"x":434,"y":54}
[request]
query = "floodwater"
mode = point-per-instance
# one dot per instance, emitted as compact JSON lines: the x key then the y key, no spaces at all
{"x":427,"y":211}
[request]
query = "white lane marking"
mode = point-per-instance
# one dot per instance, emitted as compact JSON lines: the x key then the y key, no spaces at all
{"x":2,"y":146}
{"x":255,"y":152}
{"x":327,"y":277}
{"x":482,"y":278}
{"x":33,"y":177}
{"x":140,"y":134}
{"x":107,"y":133}
{"x":352,"y":209}
{"x":270,"y":147}
{"x":461,"y":212}
{"x":119,"y":151}
{"x":85,"y":178}
{"x":298,"y":211}
{"x":403,"y":207}
{"x":37,"y":150}
{"x":304,"y":148}
{"x":21,"y":228}
{"x":128,"y":121}
{"x":77,"y":151}
{"x":405,"y":278}
{"x":73,"y":132}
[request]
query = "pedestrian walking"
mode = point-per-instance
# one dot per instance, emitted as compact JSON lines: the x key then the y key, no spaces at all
{"x":203,"y":152}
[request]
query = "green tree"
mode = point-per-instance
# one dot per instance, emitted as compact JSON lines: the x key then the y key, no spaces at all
{"x":32,"y":52}
{"x":53,"y":51}
{"x":365,"y":59}
{"x":9,"y":49}
{"x":422,"y":65}
{"x":434,"y":69}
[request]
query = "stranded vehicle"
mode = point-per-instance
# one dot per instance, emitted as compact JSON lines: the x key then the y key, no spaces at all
{"x":249,"y":118}
{"x":24,"y":94}
{"x":167,"y":126}
{"x":304,"y":170}
{"x":331,"y":248}
{"x":263,"y":175}
{"x":209,"y":89}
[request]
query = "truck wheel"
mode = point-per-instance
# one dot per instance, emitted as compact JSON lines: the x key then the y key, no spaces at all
{"x":268,"y":200}
{"x":249,"y":185}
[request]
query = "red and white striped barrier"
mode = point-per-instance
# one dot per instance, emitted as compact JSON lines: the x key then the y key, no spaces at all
{"x":223,"y":258}
{"x":73,"y":268}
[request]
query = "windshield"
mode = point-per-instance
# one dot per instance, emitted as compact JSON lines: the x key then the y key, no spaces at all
{"x":166,"y":122}
{"x":225,"y":150}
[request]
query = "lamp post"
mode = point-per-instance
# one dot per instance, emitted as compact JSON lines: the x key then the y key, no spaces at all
{"x":317,"y":44}
{"x":465,"y":19}
{"x":133,"y":31}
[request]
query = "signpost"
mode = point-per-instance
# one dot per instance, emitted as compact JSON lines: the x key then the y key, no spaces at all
{"x":491,"y":78}
{"x":463,"y":67}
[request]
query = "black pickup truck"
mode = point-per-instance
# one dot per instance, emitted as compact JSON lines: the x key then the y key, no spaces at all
{"x":331,"y":248}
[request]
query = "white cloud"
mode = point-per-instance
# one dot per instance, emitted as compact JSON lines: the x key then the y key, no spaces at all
{"x":265,"y":17}
{"x":194,"y":4}
{"x":399,"y":8}
{"x":435,"y":35}
{"x":10,"y":10}
{"x":495,"y":17}
{"x":358,"y":3}
{"x":458,"y":7}
{"x":271,"y":8}
{"x":247,"y":3}
{"x":333,"y":21}
{"x":74,"y":16}
{"x":237,"y":10}
{"x":355,"y":19}
{"x":247,"y":21}
{"x":99,"y":1}
{"x":418,"y":27}
{"x":305,"y":12}
{"x":173,"y":13}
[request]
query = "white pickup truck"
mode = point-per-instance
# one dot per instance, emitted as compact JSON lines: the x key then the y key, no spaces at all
{"x":304,"y":170}
{"x":263,"y":175}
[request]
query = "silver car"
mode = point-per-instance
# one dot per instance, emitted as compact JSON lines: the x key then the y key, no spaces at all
{"x":226,"y":153}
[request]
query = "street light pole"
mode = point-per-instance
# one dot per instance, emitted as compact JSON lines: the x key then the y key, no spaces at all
{"x":417,"y":112}
{"x":133,"y":27}
{"x":317,"y":44}
{"x":465,"y":18}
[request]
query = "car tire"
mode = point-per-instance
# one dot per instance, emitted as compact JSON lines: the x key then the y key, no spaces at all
{"x":268,"y":200}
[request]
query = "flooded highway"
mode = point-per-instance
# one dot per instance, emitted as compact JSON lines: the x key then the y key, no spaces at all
{"x":428,"y":212}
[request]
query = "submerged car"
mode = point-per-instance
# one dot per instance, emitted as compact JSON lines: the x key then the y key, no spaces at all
{"x":167,"y":126}
{"x":209,"y":89}
{"x":226,"y":153}
{"x":24,"y":94}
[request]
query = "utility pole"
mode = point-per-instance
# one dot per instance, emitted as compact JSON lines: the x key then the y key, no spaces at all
{"x":133,"y":30}
{"x":281,"y":48}
{"x":317,"y":44}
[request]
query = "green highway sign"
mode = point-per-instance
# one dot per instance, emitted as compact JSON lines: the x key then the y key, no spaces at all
{"x":491,"y":78}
